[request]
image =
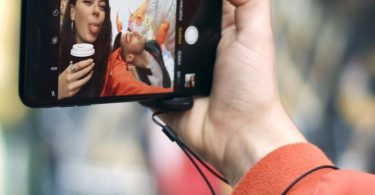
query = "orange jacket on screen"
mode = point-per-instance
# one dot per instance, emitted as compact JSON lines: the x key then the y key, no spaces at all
{"x":119,"y":81}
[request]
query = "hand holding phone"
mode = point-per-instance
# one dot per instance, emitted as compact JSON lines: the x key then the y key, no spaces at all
{"x":243,"y":118}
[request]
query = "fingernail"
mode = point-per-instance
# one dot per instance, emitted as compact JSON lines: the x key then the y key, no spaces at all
{"x":92,"y":64}
{"x":91,"y":60}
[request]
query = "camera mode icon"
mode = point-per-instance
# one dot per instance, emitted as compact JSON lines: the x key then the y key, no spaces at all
{"x":55,"y":12}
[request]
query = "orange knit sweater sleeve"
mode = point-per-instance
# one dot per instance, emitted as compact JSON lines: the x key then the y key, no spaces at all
{"x":274,"y":173}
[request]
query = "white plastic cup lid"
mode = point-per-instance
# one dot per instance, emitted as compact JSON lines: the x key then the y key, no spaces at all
{"x":82,"y":50}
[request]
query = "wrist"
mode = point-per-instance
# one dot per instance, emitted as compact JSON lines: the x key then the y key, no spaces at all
{"x":253,"y":142}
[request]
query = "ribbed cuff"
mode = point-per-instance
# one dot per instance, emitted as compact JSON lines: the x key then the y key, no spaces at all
{"x":273,"y":173}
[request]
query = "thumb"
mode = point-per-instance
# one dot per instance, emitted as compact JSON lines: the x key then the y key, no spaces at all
{"x":251,"y":15}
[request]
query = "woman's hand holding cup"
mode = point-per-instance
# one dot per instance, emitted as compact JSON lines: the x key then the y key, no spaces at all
{"x":79,"y":72}
{"x":74,"y":77}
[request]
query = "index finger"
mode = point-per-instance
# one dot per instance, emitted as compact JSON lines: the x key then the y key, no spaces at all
{"x":83,"y":64}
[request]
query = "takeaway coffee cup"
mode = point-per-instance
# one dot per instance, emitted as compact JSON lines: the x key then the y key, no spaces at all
{"x":81,"y":51}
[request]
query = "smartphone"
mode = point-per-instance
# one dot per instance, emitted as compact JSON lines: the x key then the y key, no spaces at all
{"x":82,"y":52}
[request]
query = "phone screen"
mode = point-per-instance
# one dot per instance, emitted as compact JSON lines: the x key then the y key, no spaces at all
{"x":131,"y":48}
{"x":97,"y":51}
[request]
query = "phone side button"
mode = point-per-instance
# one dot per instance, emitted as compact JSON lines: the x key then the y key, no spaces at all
{"x":82,"y":105}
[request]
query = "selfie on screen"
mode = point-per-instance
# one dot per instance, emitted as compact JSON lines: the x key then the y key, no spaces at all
{"x":128,"y":50}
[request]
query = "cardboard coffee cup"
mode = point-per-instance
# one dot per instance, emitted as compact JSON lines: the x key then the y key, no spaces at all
{"x":81,"y":51}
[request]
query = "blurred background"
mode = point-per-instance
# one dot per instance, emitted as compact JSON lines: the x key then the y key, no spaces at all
{"x":326,"y":68}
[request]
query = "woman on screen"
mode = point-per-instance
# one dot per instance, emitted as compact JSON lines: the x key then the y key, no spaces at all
{"x":84,"y":21}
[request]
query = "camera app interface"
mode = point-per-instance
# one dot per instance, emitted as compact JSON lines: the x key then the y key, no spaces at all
{"x":116,"y":48}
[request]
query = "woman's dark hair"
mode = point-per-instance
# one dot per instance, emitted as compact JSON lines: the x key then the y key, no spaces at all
{"x":117,"y":42}
{"x":102,"y":47}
